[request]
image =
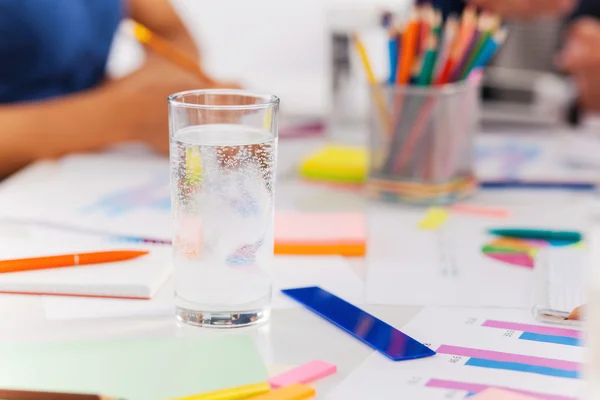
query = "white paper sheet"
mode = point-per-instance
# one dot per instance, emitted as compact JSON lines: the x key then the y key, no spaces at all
{"x":410,"y":266}
{"x":331,"y":273}
{"x":380,"y":378}
{"x":110,"y":194}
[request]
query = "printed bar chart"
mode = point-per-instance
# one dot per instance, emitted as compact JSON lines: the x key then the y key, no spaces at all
{"x":539,"y":333}
{"x":514,"y":362}
{"x":476,"y":388}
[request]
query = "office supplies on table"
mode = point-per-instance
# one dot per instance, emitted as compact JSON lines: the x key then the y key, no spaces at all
{"x":180,"y":366}
{"x":560,"y":284}
{"x":27,"y":395}
{"x":425,"y":146}
{"x":170,"y":52}
{"x":434,"y":218}
{"x":336,"y":163}
{"x":236,"y":393}
{"x":292,"y":392}
{"x":68,"y":260}
{"x":138,"y":278}
{"x":372,"y":331}
{"x":305,"y":373}
{"x":330,"y":272}
{"x":471,"y":344}
{"x":542,"y":234}
{"x":320,"y":234}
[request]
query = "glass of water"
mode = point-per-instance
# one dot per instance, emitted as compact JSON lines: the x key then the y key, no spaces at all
{"x":223,"y":161}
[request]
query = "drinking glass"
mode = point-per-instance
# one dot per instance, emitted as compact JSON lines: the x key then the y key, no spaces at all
{"x":223,"y":146}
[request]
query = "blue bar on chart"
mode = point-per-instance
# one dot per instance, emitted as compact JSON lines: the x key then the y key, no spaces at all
{"x":536,"y":337}
{"x":513,"y":366}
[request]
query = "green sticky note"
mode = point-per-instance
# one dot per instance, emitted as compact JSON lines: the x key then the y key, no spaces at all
{"x":133,"y":369}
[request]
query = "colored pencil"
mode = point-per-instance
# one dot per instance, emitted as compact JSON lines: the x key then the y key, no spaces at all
{"x":68,"y":260}
{"x":31,"y":395}
{"x":426,"y":26}
{"x":170,"y":52}
{"x":377,"y":93}
{"x":461,"y":42}
{"x":448,"y":37}
{"x":428,"y":61}
{"x":393,"y":52}
{"x":490,"y":48}
{"x":409,"y":48}
{"x":487,"y":27}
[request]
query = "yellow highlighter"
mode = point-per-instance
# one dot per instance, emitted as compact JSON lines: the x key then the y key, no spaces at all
{"x":236,"y":393}
{"x":292,"y":392}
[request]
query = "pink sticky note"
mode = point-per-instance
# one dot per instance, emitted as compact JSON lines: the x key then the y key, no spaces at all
{"x":484,"y":211}
{"x":500,"y":394}
{"x":305,"y":373}
{"x":320,"y":228}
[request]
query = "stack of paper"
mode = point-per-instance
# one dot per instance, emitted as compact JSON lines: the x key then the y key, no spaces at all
{"x":331,"y":273}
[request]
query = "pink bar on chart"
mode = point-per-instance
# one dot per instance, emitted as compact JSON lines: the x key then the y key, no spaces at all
{"x":305,"y":373}
{"x":539,"y":329}
{"x":501,"y":394}
{"x":508,"y":357}
{"x":476,"y":388}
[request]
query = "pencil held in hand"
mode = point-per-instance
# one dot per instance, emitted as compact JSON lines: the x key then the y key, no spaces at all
{"x":171,"y":53}
{"x":68,"y":260}
{"x":576,"y":314}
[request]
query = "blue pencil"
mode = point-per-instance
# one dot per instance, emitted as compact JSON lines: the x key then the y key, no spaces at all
{"x":490,"y":48}
{"x":393,"y":51}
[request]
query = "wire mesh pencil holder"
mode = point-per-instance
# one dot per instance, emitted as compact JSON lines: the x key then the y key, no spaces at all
{"x":421,"y":143}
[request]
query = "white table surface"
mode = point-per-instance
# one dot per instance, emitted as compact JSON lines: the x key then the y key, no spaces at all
{"x":292,"y":336}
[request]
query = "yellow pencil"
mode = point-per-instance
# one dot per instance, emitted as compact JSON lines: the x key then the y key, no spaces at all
{"x":167,"y":50}
{"x":377,"y":93}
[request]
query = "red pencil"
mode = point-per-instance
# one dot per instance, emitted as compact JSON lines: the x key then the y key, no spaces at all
{"x":463,"y":39}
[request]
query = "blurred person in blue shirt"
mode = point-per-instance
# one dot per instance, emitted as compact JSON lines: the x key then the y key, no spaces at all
{"x":54,"y":95}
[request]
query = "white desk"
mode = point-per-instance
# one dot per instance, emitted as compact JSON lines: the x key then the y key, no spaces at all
{"x":292,"y":337}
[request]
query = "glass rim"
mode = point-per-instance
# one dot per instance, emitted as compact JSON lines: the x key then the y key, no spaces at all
{"x":446,"y":89}
{"x":268,"y":100}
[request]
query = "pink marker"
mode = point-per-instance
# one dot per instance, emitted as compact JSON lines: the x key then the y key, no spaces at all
{"x":305,"y":373}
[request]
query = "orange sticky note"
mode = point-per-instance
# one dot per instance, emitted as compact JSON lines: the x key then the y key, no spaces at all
{"x":501,"y":394}
{"x":320,"y":234}
{"x":292,"y":392}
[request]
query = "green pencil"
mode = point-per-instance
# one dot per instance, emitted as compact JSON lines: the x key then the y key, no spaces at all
{"x":488,"y":24}
{"x":426,"y":75}
{"x":538,"y":234}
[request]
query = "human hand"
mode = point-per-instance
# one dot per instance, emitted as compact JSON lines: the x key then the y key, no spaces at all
{"x":143,"y":101}
{"x":526,"y":9}
{"x":580,"y":56}
{"x":576,"y":314}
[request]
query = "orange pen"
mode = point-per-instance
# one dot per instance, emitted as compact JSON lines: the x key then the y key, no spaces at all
{"x":68,"y":260}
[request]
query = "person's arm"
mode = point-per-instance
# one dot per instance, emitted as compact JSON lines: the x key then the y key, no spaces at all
{"x":131,"y":108}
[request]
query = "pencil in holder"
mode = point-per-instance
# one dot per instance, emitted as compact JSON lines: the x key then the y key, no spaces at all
{"x":421,"y":143}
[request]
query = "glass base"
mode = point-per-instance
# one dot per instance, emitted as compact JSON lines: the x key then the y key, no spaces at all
{"x":209,"y":319}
